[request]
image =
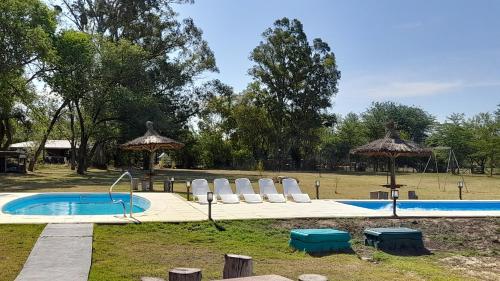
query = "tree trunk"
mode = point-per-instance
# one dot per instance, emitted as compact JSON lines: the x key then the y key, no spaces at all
{"x":8,"y":134}
{"x":184,"y":274}
{"x":392,"y":168}
{"x":2,"y":133}
{"x":492,"y":165}
{"x":98,"y":156}
{"x":41,"y":146}
{"x":82,"y":156}
{"x":73,"y":138}
{"x":82,"y":150}
{"x":236,"y":266}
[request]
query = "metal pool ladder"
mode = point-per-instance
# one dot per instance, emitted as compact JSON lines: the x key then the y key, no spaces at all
{"x":119,"y":201}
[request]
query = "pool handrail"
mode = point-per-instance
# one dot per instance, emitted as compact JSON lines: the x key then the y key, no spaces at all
{"x":121,"y":201}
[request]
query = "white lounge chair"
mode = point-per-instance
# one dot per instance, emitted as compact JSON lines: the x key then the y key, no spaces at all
{"x":268,"y":190}
{"x":223,"y":190}
{"x":244,"y":188}
{"x":200,"y":189}
{"x":291,"y":188}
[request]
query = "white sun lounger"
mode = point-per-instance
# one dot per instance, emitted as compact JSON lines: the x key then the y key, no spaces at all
{"x":268,"y":190}
{"x":244,"y":188}
{"x":223,"y":190}
{"x":200,"y":189}
{"x":291,"y":188}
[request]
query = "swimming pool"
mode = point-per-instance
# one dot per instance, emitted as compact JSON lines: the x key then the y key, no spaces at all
{"x":427,"y":205}
{"x":60,"y":204}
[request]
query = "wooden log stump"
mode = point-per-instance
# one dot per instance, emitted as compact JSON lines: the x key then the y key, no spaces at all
{"x":312,"y":277}
{"x":151,"y":279}
{"x":184,"y":274}
{"x":237,"y":266}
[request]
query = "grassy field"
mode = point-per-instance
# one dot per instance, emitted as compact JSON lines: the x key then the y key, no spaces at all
{"x":127,"y":252}
{"x":333,"y":185}
{"x":16,"y":242}
{"x":461,"y":249}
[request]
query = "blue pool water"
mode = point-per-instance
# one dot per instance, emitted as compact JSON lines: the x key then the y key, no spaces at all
{"x":59,"y":204}
{"x":429,"y":205}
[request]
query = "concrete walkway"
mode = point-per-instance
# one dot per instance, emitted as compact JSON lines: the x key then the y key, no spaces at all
{"x":63,"y":252}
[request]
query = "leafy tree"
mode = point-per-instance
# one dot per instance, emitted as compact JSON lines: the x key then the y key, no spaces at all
{"x":26,"y":28}
{"x":350,"y":133}
{"x":254,"y":130}
{"x":216,"y":103}
{"x":486,"y":140}
{"x":297,"y":81}
{"x":174,"y":54}
{"x":213,"y":150}
{"x":413,"y":122}
{"x":456,"y":134}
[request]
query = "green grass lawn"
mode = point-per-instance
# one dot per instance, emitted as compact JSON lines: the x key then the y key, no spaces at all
{"x":127,"y":252}
{"x":349,"y":185}
{"x":16,"y":242}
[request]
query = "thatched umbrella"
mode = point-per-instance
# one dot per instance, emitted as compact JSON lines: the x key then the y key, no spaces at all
{"x":391,"y":146}
{"x":150,"y":142}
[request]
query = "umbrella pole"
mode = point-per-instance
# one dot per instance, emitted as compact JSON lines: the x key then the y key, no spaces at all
{"x":392,"y":169}
{"x":151,"y":164}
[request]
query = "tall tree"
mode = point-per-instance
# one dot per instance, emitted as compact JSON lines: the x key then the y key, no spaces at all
{"x":297,"y":80}
{"x":174,"y":55}
{"x":456,"y":134}
{"x":26,"y":28}
{"x":485,"y":141}
{"x":413,"y":122}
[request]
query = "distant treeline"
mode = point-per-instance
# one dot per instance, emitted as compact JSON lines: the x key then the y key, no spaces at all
{"x":103,"y":68}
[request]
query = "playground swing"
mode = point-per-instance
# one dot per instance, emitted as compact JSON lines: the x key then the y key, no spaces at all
{"x":452,"y":160}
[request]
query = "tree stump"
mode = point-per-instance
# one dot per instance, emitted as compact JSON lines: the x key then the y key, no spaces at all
{"x":184,"y":274}
{"x":312,"y":277}
{"x":151,"y":279}
{"x":237,"y":266}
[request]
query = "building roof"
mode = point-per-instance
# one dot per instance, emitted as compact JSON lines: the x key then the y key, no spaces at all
{"x":50,"y":144}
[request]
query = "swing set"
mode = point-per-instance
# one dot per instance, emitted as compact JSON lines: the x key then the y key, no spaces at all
{"x":452,"y":160}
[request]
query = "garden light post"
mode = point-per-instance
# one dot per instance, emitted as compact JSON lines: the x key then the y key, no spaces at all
{"x":172,"y":184}
{"x":210,"y":198}
{"x":395,"y":196}
{"x":316,"y":184}
{"x":188,"y":185}
{"x":460,"y":186}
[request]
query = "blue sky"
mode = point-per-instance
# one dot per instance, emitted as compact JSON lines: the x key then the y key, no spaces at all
{"x":441,"y":55}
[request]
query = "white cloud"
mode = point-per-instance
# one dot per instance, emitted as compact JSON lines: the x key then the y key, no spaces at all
{"x":413,"y":89}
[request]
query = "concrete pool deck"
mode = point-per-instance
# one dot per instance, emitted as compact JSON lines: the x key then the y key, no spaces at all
{"x":170,"y":207}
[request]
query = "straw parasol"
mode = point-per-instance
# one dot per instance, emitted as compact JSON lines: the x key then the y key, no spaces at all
{"x":151,"y":142}
{"x":391,"y":146}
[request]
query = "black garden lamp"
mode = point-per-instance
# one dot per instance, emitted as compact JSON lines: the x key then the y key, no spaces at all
{"x":395,"y":196}
{"x":460,"y":186}
{"x":172,"y":180}
{"x":316,"y":184}
{"x":188,"y":185}
{"x":210,"y":199}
